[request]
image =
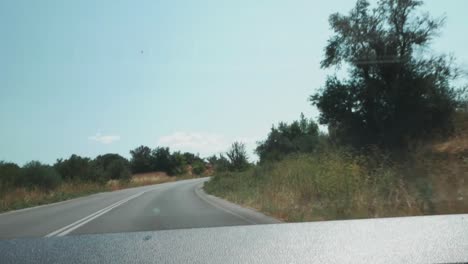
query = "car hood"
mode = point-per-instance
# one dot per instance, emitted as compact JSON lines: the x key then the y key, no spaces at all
{"x":425,"y":239}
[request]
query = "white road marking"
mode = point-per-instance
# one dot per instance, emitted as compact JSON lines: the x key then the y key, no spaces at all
{"x":69,"y":228}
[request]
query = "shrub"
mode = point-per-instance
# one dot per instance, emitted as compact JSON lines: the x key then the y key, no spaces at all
{"x":111,"y":166}
{"x":35,"y":174}
{"x":9,"y":173}
{"x":198,"y":168}
{"x":237,"y":155}
{"x":141,"y":160}
{"x":298,"y":137}
{"x":75,"y":168}
{"x":118,"y":169}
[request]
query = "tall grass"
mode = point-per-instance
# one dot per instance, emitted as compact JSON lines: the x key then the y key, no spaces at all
{"x":340,"y":184}
{"x":22,"y":197}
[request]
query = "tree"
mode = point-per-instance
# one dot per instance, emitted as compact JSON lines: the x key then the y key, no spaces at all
{"x":74,"y":168}
{"x":237,"y":156}
{"x":178,"y":164}
{"x":35,"y":174}
{"x":162,"y":160}
{"x":392,"y":93}
{"x":141,"y":160}
{"x":118,"y":169}
{"x":299,"y":137}
{"x":9,"y":174}
{"x":111,"y":167}
{"x":198,"y":167}
{"x":219,"y":164}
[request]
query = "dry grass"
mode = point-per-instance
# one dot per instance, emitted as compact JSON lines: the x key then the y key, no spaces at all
{"x":22,"y":198}
{"x":332,"y":185}
{"x":142,"y":179}
{"x":338,"y":184}
{"x":447,"y":165}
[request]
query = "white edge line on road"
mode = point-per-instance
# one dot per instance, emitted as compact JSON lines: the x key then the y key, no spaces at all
{"x":201,"y":196}
{"x":69,"y":228}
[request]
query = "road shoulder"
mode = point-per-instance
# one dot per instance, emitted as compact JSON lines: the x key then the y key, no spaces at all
{"x":247,"y":214}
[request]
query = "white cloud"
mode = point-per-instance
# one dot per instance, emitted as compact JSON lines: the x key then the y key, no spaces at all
{"x":202,"y":143}
{"x":104,"y":139}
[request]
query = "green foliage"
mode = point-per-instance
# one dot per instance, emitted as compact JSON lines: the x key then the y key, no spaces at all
{"x":111,"y":167}
{"x":9,"y":174}
{"x":162,"y":160}
{"x":219,"y":164}
{"x":191,"y":158}
{"x":178,"y":163}
{"x":299,"y":137}
{"x":237,"y":156}
{"x":141,"y":160}
{"x":198,"y":167}
{"x":393,"y":93}
{"x":75,"y":168}
{"x":35,"y":174}
{"x":118,"y":169}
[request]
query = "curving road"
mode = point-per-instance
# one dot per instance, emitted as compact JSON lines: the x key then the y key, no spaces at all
{"x":174,"y":205}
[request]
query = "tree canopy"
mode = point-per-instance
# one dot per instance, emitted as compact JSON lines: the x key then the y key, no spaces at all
{"x":237,"y":156}
{"x":298,"y":137}
{"x":395,"y":90}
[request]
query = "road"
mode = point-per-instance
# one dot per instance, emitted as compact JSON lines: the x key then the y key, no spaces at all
{"x":175,"y":205}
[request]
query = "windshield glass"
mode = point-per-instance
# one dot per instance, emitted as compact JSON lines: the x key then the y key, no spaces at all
{"x":154,"y":115}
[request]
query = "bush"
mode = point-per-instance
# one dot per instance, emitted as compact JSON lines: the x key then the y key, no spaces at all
{"x":35,"y":174}
{"x":220,"y":164}
{"x":299,"y":137}
{"x":111,"y":166}
{"x":118,"y":170}
{"x":237,"y":155}
{"x":178,"y":164}
{"x":198,"y":168}
{"x":141,"y":160}
{"x":9,"y":173}
{"x":75,"y":168}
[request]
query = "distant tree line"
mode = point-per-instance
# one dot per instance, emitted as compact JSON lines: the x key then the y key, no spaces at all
{"x":37,"y":175}
{"x":100,"y":169}
{"x":145,"y":159}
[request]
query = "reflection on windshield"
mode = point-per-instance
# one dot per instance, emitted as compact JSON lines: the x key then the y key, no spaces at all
{"x":182,"y":115}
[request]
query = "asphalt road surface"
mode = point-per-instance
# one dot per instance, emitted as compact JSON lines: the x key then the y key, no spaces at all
{"x":175,"y":205}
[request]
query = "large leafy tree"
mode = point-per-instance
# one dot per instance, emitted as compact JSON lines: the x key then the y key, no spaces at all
{"x":162,"y":159}
{"x":395,"y":91}
{"x":141,"y":160}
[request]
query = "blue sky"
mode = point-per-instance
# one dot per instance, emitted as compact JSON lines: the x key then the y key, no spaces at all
{"x":92,"y":77}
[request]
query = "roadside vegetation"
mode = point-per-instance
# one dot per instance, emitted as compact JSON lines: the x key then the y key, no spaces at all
{"x":35,"y":183}
{"x":397,"y":141}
